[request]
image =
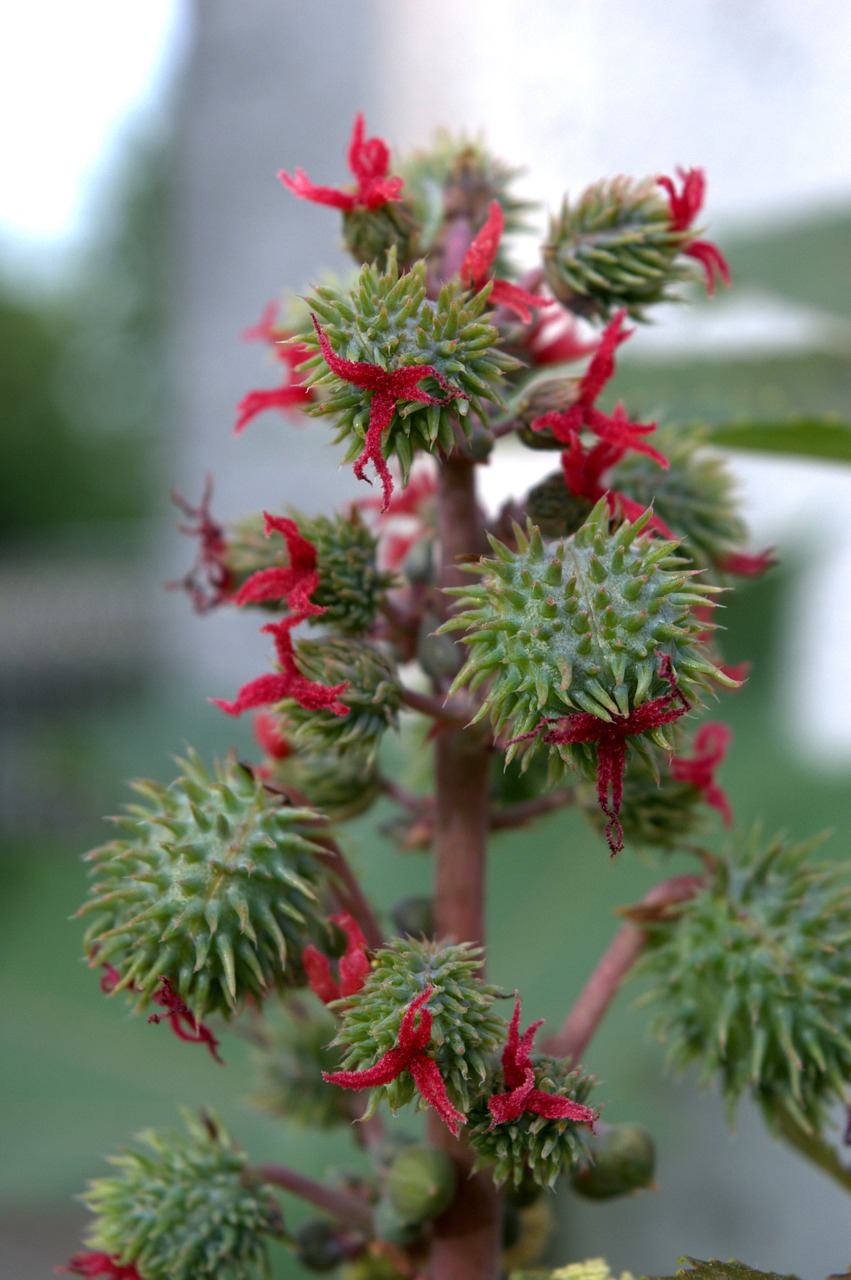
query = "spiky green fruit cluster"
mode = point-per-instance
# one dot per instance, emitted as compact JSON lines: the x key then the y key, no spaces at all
{"x":659,"y":812}
{"x":614,"y":247}
{"x":291,"y":1058}
{"x":696,"y":496}
{"x":215,"y":886}
{"x":580,"y":624}
{"x":351,"y":586}
{"x":387,"y":320}
{"x":754,"y":977}
{"x":187,"y":1208}
{"x":466,"y":1030}
{"x":533,"y":1146}
{"x":373,"y":697}
{"x":340,"y":784}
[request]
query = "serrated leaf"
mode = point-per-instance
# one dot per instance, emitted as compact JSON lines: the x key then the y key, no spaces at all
{"x":715,"y":1270}
{"x":803,"y":437}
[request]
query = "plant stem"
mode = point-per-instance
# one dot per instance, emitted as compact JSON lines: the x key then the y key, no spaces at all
{"x":466,"y":1239}
{"x":348,"y":892}
{"x":581,"y":1023}
{"x":340,"y":1204}
{"x":812,"y":1148}
{"x":515,"y":815}
{"x":433,"y":707}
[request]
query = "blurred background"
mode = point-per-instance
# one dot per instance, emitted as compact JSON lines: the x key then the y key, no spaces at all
{"x":142,"y":228}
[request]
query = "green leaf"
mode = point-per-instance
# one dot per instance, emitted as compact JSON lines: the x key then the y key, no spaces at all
{"x":807,"y":437}
{"x":715,"y":1270}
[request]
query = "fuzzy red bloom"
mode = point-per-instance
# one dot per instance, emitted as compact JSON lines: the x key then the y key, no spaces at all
{"x":403,"y":522}
{"x":519,"y":1075}
{"x":610,"y":737}
{"x":209,"y":581}
{"x":387,"y":388}
{"x":369,"y":162}
{"x":294,"y":584}
{"x":616,"y":428}
{"x":353,"y":966}
{"x":553,"y":338}
{"x":710,"y":747}
{"x":408,"y":1055}
{"x":99,"y":1266}
{"x":183,"y":1022}
{"x":583,"y":468}
{"x":684,"y":207}
{"x":288,"y":682}
{"x":745,"y":565}
{"x":478,"y":260}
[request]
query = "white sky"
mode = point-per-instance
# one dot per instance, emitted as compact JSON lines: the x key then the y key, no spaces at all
{"x":71,"y":74}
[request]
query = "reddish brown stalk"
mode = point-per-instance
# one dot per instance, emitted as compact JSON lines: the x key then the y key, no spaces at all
{"x":433,"y":707}
{"x":342,"y":1205}
{"x":601,"y":988}
{"x":515,"y":815}
{"x":466,"y":1239}
{"x":350,"y":897}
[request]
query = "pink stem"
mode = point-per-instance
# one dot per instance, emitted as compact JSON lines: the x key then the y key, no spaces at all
{"x":340,"y":1204}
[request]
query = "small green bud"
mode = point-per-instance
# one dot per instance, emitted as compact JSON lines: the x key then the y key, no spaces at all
{"x":392,"y":1227}
{"x":622,"y":1159}
{"x":421,"y":1183}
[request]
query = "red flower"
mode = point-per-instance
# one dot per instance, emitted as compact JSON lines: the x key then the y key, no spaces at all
{"x":209,"y":581}
{"x":408,"y":1055}
{"x":519,"y":1075}
{"x":402,"y":523}
{"x":610,"y":737}
{"x":369,"y":161}
{"x":615,"y":428}
{"x":354,"y":964}
{"x":296,"y":583}
{"x":710,"y":747}
{"x":478,"y":260}
{"x":583,"y":469}
{"x":96,"y":1265}
{"x":684,"y":207}
{"x":553,"y":338}
{"x":744,"y":565}
{"x":387,"y":388}
{"x":177,"y":1012}
{"x":286,"y":683}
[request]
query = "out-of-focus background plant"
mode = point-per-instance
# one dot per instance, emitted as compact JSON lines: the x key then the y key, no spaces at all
{"x":120,"y":367}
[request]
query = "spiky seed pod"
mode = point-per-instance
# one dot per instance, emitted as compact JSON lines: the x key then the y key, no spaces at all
{"x":659,"y":812}
{"x":340,"y":784}
{"x":387,"y":320}
{"x":552,"y":395}
{"x":370,"y":234}
{"x":290,"y":1063}
{"x":580,"y":624}
{"x":555,"y":510}
{"x":623,"y":1160}
{"x":214,"y":886}
{"x":696,"y":496}
{"x":465,"y":1030}
{"x":373,"y":695}
{"x":421,"y":1183}
{"x":753,"y":980}
{"x":351,"y":586}
{"x":457,"y":177}
{"x":533,"y":1146}
{"x":187,"y":1208}
{"x":615,"y":247}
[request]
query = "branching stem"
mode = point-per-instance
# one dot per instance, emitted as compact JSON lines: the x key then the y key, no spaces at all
{"x":343,"y":1205}
{"x":348,"y":892}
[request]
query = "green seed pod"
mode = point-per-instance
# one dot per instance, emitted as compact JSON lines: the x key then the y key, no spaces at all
{"x":623,"y":1159}
{"x":186,"y":1209}
{"x":370,"y":234}
{"x":465,"y":1029}
{"x":318,"y":1245}
{"x":550,"y":395}
{"x":340,"y":784}
{"x":614,"y":247}
{"x":695,"y":497}
{"x":752,"y":980}
{"x":373,"y":695}
{"x":580,"y":624}
{"x":290,"y":1062}
{"x":532,"y":1147}
{"x":421,"y":1183}
{"x":555,"y":510}
{"x":215,"y":888}
{"x":388,"y":321}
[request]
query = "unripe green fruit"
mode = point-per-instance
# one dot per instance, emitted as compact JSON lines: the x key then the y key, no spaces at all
{"x":392,"y":1227}
{"x":580,"y":624}
{"x":318,"y":1246}
{"x":387,"y":320}
{"x":371,"y":234}
{"x":421,"y":1183}
{"x":215,"y":888}
{"x":373,"y":697}
{"x":623,"y":1159}
{"x":614,"y":247}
